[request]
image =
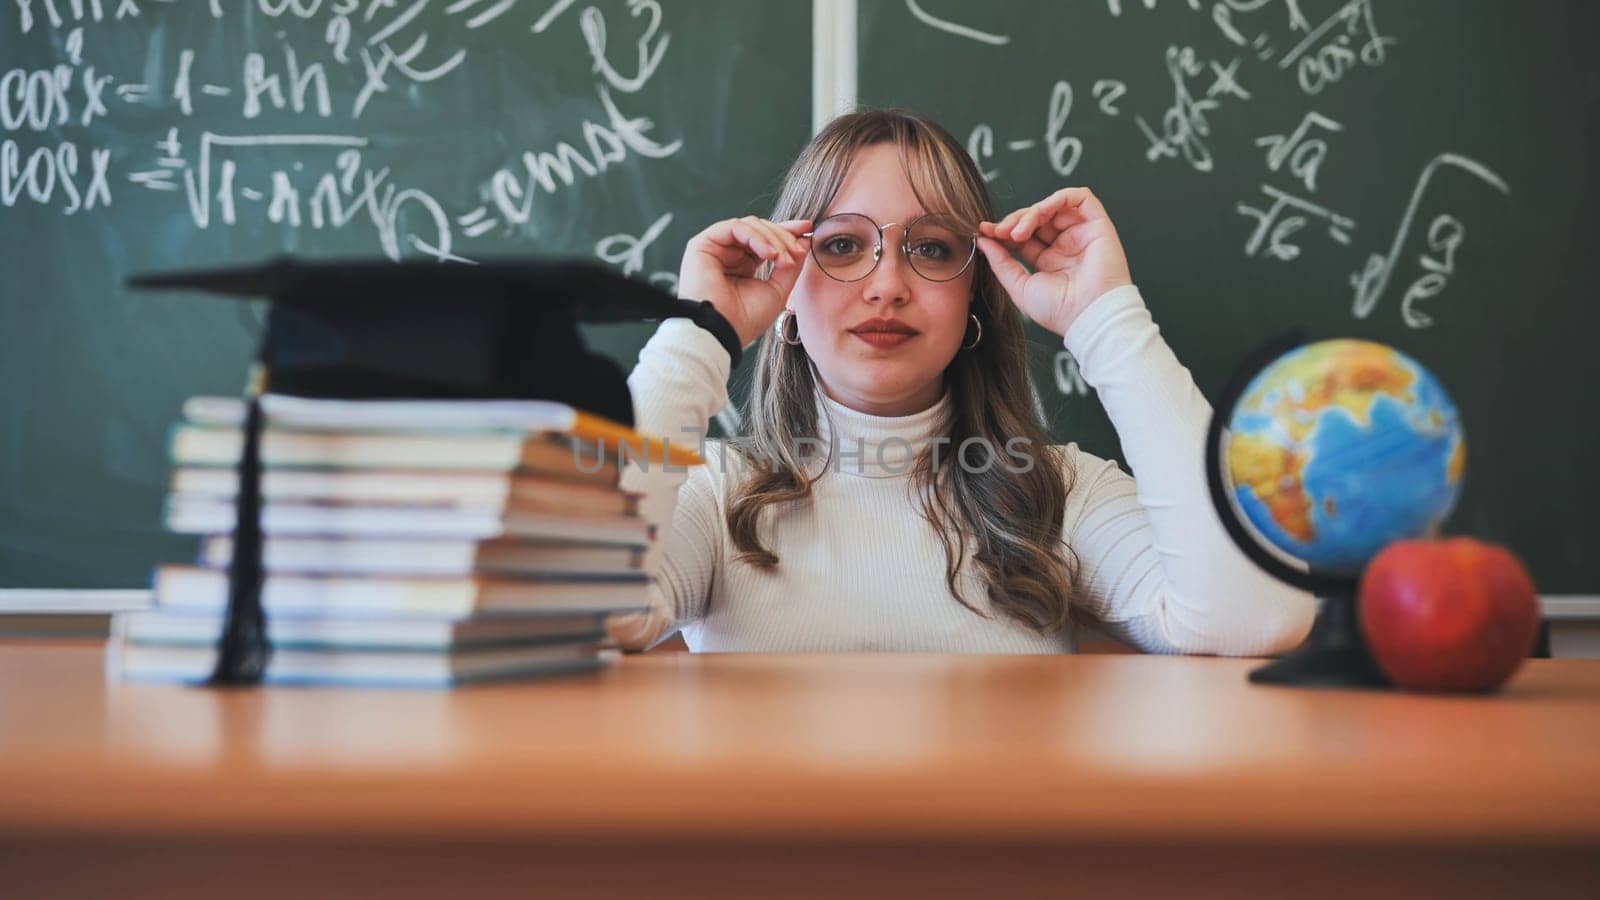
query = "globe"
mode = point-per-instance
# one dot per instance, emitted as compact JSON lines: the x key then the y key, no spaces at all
{"x":1339,"y":447}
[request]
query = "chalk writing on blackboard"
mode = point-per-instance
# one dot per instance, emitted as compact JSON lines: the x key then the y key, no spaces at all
{"x":1185,"y":124}
{"x":1444,"y":237}
{"x":1288,"y":213}
{"x":627,"y":251}
{"x":955,"y":28}
{"x":1069,"y":380}
{"x":320,"y":171}
{"x":1324,"y":55}
{"x":1303,"y":151}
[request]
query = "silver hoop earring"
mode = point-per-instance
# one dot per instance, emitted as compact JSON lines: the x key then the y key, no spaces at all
{"x":979,"y":336}
{"x":781,"y":326}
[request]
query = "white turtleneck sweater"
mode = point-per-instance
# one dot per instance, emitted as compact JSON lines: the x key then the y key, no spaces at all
{"x":861,"y":569}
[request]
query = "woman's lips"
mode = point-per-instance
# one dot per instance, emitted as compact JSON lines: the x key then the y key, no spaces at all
{"x":884,"y":340}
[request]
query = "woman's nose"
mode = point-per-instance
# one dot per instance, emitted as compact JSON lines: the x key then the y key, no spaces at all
{"x":891,"y":277}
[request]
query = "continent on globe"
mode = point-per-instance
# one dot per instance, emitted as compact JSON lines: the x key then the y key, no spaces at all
{"x":1271,"y":473}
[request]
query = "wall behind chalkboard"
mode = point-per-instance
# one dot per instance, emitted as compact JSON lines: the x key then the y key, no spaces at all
{"x":1419,"y":173}
{"x":1413,"y":172}
{"x":149,"y":135}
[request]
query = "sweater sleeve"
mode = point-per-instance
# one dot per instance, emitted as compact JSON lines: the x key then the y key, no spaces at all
{"x":679,"y":383}
{"x":1156,"y":565}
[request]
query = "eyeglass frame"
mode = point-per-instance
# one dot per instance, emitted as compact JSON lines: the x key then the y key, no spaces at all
{"x":905,"y":247}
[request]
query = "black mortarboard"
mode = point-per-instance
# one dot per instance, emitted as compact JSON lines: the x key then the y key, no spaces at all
{"x":372,"y":329}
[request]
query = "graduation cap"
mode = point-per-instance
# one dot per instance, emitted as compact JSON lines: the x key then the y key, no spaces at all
{"x":378,"y":329}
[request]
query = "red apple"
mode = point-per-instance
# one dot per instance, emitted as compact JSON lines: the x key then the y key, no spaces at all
{"x":1448,"y":615}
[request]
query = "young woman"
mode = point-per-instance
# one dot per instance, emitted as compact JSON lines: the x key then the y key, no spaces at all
{"x":894,"y":488}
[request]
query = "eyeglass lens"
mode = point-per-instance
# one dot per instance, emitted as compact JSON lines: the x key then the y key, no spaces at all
{"x":845,"y":246}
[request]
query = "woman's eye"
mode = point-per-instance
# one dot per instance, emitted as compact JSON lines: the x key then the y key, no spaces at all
{"x":931,"y":250}
{"x":840,"y":246}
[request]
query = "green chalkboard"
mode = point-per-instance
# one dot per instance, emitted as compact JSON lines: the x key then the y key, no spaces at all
{"x":1430,"y":162}
{"x":141,"y":136}
{"x":1432,"y":165}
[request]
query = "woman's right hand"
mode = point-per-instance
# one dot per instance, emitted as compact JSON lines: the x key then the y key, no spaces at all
{"x":720,"y":263}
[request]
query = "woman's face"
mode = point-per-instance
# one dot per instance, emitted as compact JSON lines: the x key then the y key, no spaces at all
{"x":872,"y":375}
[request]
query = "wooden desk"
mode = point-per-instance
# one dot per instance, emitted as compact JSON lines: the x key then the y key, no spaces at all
{"x":779,"y":776}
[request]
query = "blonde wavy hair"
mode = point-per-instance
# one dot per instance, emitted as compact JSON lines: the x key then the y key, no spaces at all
{"x":1010,"y":522}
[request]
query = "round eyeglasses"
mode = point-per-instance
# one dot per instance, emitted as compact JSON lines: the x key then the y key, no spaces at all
{"x":847,"y":246}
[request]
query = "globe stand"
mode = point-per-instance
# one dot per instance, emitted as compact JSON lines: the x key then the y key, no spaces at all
{"x":1334,"y":653}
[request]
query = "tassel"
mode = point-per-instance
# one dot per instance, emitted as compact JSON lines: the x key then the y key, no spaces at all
{"x":243,"y":650}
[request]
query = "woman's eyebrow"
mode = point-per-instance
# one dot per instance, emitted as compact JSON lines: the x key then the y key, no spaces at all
{"x":893,"y":220}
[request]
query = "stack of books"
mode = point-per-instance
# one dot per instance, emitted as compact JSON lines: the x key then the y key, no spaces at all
{"x":405,"y":542}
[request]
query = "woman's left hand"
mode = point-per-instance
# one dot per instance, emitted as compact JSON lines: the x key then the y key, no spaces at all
{"x":1071,"y":248}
